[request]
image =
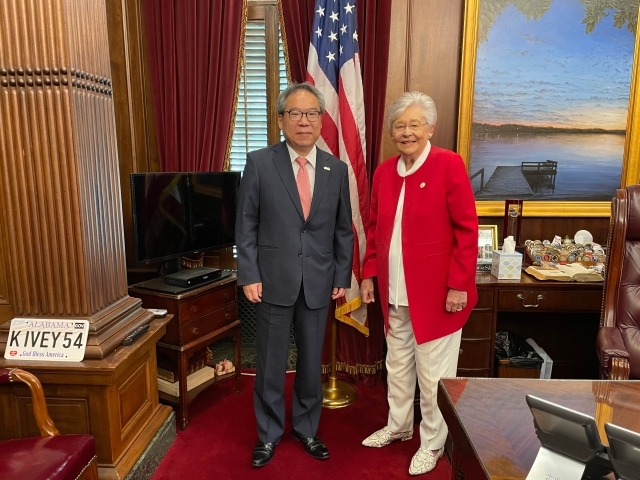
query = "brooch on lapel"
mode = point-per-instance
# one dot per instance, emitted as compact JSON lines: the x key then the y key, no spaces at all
{"x":327,"y":168}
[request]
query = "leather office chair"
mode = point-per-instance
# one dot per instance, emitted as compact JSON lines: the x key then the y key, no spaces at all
{"x":51,"y":456}
{"x":618,"y":340}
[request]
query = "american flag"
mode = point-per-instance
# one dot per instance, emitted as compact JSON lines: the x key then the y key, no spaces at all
{"x":334,"y":68}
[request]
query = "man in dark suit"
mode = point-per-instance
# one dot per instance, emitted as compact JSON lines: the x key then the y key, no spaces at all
{"x":295,"y":249}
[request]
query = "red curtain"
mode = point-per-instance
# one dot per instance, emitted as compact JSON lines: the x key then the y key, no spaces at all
{"x":358,"y":357}
{"x":296,"y":20}
{"x":374,"y":25}
{"x":194,"y":50}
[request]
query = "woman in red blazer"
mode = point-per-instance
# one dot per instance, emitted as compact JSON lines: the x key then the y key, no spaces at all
{"x":422,"y":245}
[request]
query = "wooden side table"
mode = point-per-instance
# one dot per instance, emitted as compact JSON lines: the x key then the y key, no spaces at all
{"x":202,"y":315}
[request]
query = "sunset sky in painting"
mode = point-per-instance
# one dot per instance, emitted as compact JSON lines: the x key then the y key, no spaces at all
{"x":551,"y":73}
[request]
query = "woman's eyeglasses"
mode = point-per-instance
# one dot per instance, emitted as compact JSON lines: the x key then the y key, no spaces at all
{"x":413,"y":127}
{"x":296,"y":115}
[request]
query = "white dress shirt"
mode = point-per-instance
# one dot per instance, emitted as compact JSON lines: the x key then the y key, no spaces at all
{"x":397,"y":285}
{"x":310,"y":166}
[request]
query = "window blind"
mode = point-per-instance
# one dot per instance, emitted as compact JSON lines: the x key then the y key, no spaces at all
{"x":250,"y":132}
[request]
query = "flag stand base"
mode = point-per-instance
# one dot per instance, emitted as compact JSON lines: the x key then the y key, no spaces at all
{"x":336,"y":393}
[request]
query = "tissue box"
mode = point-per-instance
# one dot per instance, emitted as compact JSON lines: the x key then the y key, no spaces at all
{"x":506,"y":266}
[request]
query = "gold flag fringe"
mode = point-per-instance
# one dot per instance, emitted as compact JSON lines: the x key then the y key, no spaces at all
{"x":354,"y":369}
{"x":240,"y":63}
{"x":341,"y":314}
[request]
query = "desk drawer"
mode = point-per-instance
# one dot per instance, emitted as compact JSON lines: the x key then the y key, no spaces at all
{"x":485,"y":299}
{"x":550,"y":300}
{"x":478,"y":325}
{"x":207,"y":324}
{"x":205,"y":304}
{"x":474,"y":354}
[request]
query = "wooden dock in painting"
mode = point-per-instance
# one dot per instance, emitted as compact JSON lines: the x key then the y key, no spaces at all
{"x":519,"y":182}
{"x":506,"y":182}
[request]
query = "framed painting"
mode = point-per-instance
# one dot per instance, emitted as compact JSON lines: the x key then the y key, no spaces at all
{"x":487,"y":243}
{"x":550,"y":104}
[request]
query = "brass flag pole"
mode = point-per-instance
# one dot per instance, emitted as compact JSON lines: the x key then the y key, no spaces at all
{"x":336,"y":393}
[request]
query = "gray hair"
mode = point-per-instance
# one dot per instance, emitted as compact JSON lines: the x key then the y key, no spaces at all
{"x":412,"y":99}
{"x":296,"y":87}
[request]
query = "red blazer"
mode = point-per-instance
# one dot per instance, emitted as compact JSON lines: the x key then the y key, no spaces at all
{"x":439,"y":240}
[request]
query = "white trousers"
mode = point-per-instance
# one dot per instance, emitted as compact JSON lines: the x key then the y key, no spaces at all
{"x":429,"y":361}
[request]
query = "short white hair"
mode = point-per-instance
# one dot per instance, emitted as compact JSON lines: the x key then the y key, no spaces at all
{"x":412,"y":99}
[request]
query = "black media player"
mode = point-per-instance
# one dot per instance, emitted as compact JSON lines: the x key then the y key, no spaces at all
{"x":193,"y":276}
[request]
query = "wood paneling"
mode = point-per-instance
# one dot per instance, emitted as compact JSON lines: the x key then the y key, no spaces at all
{"x":62,"y":251}
{"x":132,"y":404}
{"x":135,"y":124}
{"x":434,"y":60}
{"x":544,"y":228}
{"x":71,"y":412}
{"x":397,"y":76}
{"x":61,"y":199}
{"x":425,"y":55}
{"x":6,"y":310}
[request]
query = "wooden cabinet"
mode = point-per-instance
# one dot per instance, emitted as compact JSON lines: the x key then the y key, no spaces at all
{"x":476,"y":346}
{"x":562,"y":317}
{"x":202,"y":315}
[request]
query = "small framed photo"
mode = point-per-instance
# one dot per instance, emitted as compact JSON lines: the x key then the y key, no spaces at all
{"x":487,"y":243}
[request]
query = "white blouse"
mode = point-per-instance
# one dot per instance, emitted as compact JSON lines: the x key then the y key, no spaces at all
{"x":397,"y":285}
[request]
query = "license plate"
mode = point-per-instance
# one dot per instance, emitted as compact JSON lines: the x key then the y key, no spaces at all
{"x":57,"y":340}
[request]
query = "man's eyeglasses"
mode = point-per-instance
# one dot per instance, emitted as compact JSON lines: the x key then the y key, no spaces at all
{"x":413,"y":127}
{"x":296,"y":115}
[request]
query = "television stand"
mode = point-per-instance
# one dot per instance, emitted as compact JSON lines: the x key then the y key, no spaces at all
{"x":201,"y":316}
{"x":159,"y":285}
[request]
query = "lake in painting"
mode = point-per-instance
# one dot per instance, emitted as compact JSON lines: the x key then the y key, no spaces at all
{"x":589,"y":165}
{"x":551,"y":95}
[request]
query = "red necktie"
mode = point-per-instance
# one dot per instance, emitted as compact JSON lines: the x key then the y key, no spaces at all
{"x":304,"y":187}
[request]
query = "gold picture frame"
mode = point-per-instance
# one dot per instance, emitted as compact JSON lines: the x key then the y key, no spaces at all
{"x":487,"y":235}
{"x":631,"y":155}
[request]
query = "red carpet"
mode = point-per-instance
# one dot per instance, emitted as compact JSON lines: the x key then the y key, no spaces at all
{"x":222,"y":433}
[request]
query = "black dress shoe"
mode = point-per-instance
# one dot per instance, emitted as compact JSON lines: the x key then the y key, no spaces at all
{"x":263,"y":453}
{"x":314,"y":447}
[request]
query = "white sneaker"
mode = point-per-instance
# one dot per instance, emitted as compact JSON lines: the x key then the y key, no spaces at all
{"x":384,"y":437}
{"x":424,"y":461}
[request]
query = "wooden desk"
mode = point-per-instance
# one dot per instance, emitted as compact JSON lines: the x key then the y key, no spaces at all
{"x":562,"y":317}
{"x":491,"y":427}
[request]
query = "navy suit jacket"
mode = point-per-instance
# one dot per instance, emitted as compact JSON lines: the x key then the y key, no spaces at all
{"x":276,"y":246}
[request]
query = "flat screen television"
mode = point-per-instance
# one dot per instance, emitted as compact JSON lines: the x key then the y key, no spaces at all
{"x":176,"y":214}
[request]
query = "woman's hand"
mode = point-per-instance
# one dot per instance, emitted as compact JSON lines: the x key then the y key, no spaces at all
{"x":366,"y":291}
{"x":456,"y":300}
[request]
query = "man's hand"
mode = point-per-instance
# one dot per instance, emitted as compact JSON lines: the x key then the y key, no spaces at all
{"x":253,"y":292}
{"x":456,"y":300}
{"x":366,"y":291}
{"x":337,"y":293}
